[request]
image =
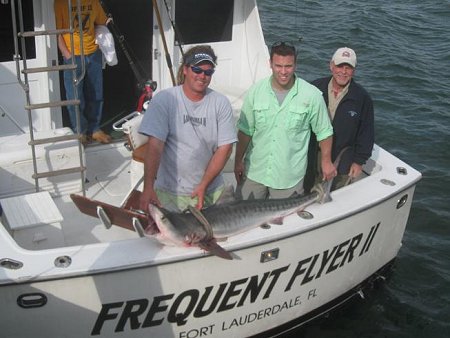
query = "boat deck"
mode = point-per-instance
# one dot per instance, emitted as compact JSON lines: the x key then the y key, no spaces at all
{"x":109,"y":180}
{"x":110,"y":177}
{"x":91,"y":246}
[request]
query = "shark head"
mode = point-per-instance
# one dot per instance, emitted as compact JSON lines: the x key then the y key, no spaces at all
{"x":184,"y":234}
{"x":168,"y":234}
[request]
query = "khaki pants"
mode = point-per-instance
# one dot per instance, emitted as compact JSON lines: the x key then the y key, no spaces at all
{"x":179,"y":203}
{"x":249,"y":189}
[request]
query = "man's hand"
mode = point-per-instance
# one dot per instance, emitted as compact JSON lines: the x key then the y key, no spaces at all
{"x":199,"y":192}
{"x":148,"y":196}
{"x":328,"y":171}
{"x":239,"y":169}
{"x":355,"y":170}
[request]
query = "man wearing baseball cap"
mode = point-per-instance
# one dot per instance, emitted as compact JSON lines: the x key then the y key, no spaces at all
{"x":191,"y":132}
{"x":351,"y":111}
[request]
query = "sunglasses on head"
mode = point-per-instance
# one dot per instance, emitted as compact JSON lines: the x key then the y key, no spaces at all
{"x":282,"y":44}
{"x":198,"y":70}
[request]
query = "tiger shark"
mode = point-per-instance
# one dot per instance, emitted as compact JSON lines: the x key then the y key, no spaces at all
{"x":218,"y":222}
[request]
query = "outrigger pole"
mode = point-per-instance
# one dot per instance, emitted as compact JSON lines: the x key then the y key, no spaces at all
{"x":163,"y":37}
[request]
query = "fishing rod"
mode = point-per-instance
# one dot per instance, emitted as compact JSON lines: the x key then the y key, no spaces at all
{"x":178,"y":36}
{"x":163,"y":37}
{"x":139,"y":73}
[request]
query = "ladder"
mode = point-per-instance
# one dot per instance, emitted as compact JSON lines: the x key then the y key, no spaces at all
{"x":31,"y":108}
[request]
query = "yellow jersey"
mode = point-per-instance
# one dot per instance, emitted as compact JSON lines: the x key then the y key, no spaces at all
{"x":92,"y":14}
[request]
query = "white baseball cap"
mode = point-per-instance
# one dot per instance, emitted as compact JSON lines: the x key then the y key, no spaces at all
{"x":344,"y":55}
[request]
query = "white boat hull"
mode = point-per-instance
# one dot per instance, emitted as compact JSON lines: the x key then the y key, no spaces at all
{"x":209,"y":296}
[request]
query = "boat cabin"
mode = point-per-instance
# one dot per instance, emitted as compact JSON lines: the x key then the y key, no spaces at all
{"x":231,"y":27}
{"x":141,"y":30}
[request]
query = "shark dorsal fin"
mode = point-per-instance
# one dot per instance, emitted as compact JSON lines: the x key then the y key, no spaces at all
{"x":203,"y":221}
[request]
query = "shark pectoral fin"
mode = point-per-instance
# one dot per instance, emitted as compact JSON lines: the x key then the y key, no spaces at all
{"x":214,"y":248}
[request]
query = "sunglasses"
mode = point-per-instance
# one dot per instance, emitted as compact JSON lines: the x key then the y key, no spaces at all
{"x":282,"y":44}
{"x":198,"y":70}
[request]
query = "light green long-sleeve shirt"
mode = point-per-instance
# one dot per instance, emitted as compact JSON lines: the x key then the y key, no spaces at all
{"x":277,"y":153}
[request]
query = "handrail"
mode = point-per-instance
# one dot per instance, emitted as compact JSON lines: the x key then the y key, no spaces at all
{"x":16,"y":47}
{"x":24,"y":83}
{"x":118,"y":125}
{"x":80,"y":27}
{"x":75,"y":79}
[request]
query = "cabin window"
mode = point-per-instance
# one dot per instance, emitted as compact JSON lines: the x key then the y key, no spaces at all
{"x":204,"y":21}
{"x":6,"y":31}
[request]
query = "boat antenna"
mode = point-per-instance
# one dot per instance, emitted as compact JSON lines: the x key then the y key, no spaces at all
{"x":163,"y":37}
{"x":178,"y":36}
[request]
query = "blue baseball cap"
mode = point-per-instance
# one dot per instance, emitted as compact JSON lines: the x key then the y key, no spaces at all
{"x":195,"y":59}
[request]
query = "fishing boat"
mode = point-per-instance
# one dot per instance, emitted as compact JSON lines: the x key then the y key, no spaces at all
{"x":69,"y":273}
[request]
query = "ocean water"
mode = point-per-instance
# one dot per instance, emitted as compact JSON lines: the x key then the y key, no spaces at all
{"x":403,"y":50}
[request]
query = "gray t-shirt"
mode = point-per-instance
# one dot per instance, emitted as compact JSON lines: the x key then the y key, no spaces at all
{"x":192,"y":131}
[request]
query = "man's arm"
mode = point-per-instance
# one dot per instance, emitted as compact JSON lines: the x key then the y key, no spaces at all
{"x":215,"y":166}
{"x":63,"y":47}
{"x":241,"y":149}
{"x":152,"y":159}
{"x":328,"y":169}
